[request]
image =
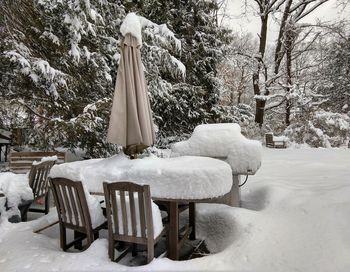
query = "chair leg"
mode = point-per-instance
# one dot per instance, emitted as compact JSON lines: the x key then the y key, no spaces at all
{"x":192,"y":220}
{"x":24,"y":209}
{"x":63,"y":237}
{"x":111,"y":249}
{"x":78,"y":245}
{"x":90,"y":239}
{"x":150,"y":250}
{"x":47,"y":203}
{"x":134,"y":250}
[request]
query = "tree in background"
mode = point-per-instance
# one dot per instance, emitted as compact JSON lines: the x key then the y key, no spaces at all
{"x":292,"y":12}
{"x":180,"y":103}
{"x":321,"y":115}
{"x":60,"y":59}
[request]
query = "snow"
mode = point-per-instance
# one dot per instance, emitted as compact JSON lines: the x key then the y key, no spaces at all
{"x":180,"y":66}
{"x":14,"y":56}
{"x":184,"y":177}
{"x":222,"y":141}
{"x":95,"y":210}
{"x":132,"y":25}
{"x":165,"y":31}
{"x":51,"y":36}
{"x":16,"y":188}
{"x":44,"y":159}
{"x":280,"y":138}
{"x":294,"y":217}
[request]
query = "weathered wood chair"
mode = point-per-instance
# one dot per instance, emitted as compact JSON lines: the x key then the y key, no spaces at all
{"x":122,"y":197}
{"x":73,"y":213}
{"x":38,"y":181}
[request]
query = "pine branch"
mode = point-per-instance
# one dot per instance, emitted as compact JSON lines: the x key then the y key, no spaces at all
{"x":22,"y":103}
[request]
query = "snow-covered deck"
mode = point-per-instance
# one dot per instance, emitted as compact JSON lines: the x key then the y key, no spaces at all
{"x":295,"y":217}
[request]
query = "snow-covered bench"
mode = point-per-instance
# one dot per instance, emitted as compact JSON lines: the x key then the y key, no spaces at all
{"x":21,"y":162}
{"x":275,"y":141}
{"x":224,"y":142}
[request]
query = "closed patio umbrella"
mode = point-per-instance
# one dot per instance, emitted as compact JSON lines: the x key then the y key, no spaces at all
{"x":130,"y":122}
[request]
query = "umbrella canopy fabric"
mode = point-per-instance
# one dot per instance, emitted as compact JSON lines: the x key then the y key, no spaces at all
{"x":130,"y":122}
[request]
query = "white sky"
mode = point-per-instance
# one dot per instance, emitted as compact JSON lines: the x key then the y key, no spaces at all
{"x":251,"y":22}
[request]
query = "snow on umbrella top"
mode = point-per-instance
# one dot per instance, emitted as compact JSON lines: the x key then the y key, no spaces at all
{"x":131,"y":123}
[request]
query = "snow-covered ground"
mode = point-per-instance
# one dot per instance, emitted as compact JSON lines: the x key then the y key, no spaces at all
{"x":295,"y":217}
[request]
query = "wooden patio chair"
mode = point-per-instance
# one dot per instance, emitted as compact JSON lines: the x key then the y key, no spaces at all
{"x":122,"y":197}
{"x":73,"y":213}
{"x":38,"y":181}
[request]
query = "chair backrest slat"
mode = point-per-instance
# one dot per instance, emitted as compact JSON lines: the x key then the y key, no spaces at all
{"x":117,"y":212}
{"x":38,"y":180}
{"x":72,"y":196}
{"x":148,"y":211}
{"x":67,"y":205}
{"x":124,"y":214}
{"x":60,"y":203}
{"x":132,"y":213}
{"x":81,"y":220}
{"x":71,"y":202}
{"x":82,"y":207}
{"x":142,"y":215}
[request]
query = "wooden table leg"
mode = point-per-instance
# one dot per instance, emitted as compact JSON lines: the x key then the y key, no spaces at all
{"x":192,"y":220}
{"x":173,"y":232}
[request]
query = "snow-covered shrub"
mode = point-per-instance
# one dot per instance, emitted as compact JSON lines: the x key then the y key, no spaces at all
{"x":321,"y":129}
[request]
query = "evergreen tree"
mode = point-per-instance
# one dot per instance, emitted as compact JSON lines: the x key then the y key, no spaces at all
{"x":59,"y":61}
{"x":58,"y":57}
{"x":180,"y":106}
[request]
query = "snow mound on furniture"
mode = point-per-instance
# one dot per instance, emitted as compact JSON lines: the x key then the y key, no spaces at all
{"x":186,"y":177}
{"x":223,"y":141}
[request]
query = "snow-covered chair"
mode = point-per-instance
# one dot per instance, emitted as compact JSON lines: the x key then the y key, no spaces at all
{"x":132,"y":217}
{"x":38,"y":181}
{"x":275,"y":141}
{"x":225,"y":142}
{"x":77,"y":210}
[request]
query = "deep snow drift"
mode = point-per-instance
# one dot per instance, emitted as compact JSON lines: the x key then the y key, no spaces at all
{"x":295,"y":217}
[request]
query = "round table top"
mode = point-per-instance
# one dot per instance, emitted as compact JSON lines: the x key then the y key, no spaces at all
{"x":179,"y":178}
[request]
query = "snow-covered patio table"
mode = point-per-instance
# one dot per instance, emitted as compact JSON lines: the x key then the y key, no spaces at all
{"x":180,"y":178}
{"x":174,"y":180}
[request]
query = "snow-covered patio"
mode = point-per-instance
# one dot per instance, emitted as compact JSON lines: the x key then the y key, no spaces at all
{"x":295,"y":216}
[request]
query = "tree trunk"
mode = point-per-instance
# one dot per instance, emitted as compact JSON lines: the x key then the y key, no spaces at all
{"x":279,"y":51}
{"x":288,"y":107}
{"x":289,"y":42}
{"x":260,"y":104}
{"x":259,"y":111}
